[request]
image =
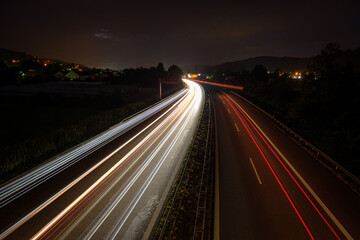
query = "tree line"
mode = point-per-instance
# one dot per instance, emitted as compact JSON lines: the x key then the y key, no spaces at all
{"x":148,"y":77}
{"x":29,"y":71}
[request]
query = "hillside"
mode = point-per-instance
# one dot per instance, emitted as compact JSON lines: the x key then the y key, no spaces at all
{"x":287,"y":64}
{"x":6,"y":54}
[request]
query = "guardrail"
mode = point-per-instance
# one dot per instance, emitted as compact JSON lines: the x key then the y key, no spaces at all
{"x":331,"y":163}
{"x":151,"y":106}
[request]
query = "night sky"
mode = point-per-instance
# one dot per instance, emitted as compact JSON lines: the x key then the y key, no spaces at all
{"x":119,"y":34}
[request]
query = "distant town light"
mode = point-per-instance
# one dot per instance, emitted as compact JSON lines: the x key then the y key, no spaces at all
{"x":192,"y":75}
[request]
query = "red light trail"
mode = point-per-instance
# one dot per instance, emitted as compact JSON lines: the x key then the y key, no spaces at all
{"x":272,"y":170}
{"x":281,"y":162}
{"x":218,"y":84}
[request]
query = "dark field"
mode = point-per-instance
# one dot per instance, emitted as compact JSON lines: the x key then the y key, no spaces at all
{"x":20,"y":122}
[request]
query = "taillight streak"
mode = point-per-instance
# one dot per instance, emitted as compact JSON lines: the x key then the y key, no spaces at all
{"x":287,"y":170}
{"x":218,"y":84}
{"x":272,"y":171}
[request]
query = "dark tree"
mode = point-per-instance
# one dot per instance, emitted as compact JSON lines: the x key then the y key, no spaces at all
{"x":26,"y":65}
{"x":331,"y":49}
{"x":259,"y":73}
{"x":257,"y":84}
{"x":52,"y":68}
{"x":12,"y":76}
{"x":175,"y":71}
{"x":160,"y":70}
{"x":3,"y":67}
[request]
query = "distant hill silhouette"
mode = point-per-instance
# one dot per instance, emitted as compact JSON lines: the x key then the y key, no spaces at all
{"x":287,"y":64}
{"x":6,"y":54}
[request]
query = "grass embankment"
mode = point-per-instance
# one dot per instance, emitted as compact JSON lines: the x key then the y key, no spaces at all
{"x":32,"y":134}
{"x":193,"y":187}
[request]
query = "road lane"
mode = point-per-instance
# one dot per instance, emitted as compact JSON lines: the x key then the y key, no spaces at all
{"x":308,"y":218}
{"x":336,"y":201}
{"x":306,"y":185}
{"x":248,"y":210}
{"x":257,"y":175}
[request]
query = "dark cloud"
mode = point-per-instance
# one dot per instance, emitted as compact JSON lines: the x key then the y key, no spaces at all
{"x":132,"y":33}
{"x":103,"y":34}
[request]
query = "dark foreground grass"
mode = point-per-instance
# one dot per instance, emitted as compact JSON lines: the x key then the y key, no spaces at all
{"x":21,"y":122}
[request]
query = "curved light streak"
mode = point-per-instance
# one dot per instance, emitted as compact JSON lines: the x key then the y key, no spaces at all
{"x":190,"y":97}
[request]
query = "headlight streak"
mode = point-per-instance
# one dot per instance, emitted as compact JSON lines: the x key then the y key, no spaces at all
{"x":136,"y":199}
{"x":58,"y":194}
{"x":110,"y":207}
{"x":71,"y":206}
{"x":24,"y":184}
{"x":123,"y":190}
{"x":100,"y":179}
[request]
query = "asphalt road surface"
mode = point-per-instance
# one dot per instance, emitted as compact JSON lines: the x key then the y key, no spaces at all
{"x":111,"y":190}
{"x":269,"y":187}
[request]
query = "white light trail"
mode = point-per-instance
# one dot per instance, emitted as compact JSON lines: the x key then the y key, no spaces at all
{"x":193,"y":109}
{"x":190,"y":97}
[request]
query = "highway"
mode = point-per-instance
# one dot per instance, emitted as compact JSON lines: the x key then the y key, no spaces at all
{"x":110,"y":187}
{"x":268,"y":187}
